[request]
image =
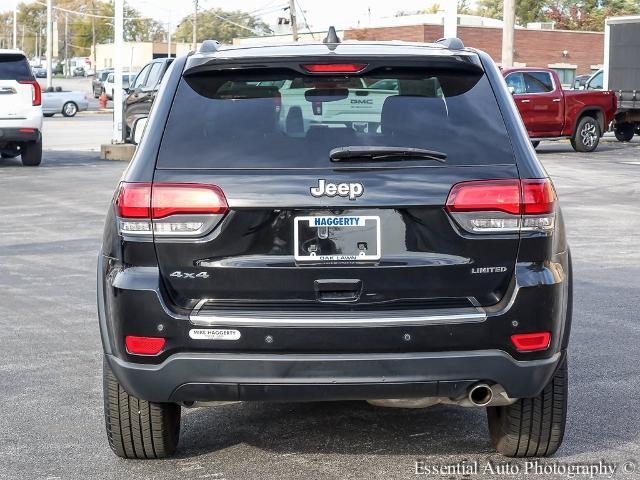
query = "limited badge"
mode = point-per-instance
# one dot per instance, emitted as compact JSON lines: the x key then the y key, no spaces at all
{"x":214,"y":334}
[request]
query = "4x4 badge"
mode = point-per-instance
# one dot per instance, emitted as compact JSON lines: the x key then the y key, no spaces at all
{"x":324,"y":188}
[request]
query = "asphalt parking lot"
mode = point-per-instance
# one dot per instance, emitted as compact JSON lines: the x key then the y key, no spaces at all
{"x":51,"y":424}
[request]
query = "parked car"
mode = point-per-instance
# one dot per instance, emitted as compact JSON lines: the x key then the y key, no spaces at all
{"x":419,"y":263}
{"x":97,"y":84}
{"x":20,"y":109}
{"x":141,"y":95}
{"x":109,"y":83}
{"x":65,"y":102}
{"x":548,"y":111}
{"x":385,"y":85}
{"x":357,"y":107}
{"x":579,"y":82}
{"x":40,"y":72}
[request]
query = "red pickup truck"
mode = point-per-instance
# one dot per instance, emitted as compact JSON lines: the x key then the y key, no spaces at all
{"x":550,"y":112}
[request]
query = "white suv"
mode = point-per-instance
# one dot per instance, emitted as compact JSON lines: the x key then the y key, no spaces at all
{"x":20,"y":109}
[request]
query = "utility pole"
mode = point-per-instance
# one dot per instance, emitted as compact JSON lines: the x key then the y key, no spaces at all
{"x":15,"y":27}
{"x":93,"y":36}
{"x":294,"y":20}
{"x":509,"y":21}
{"x":66,"y":44}
{"x":38,"y":40}
{"x":118,"y":47}
{"x":450,"y":18}
{"x":49,"y":44}
{"x":169,"y":36}
{"x":195,"y":25}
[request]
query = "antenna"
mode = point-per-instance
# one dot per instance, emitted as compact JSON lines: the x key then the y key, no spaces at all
{"x":332,"y":36}
{"x":451,"y":43}
{"x":209,"y":46}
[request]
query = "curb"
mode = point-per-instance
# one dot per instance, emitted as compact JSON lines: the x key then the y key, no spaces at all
{"x":104,"y":111}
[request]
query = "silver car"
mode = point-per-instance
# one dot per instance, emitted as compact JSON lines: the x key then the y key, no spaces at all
{"x":64,"y":102}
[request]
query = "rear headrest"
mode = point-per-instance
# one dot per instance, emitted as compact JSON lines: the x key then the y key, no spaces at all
{"x":233,"y":116}
{"x":412,"y":115}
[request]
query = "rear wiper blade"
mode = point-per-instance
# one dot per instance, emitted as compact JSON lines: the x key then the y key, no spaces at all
{"x":372,"y":153}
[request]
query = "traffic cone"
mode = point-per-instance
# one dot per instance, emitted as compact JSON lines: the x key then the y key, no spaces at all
{"x":102,"y":100}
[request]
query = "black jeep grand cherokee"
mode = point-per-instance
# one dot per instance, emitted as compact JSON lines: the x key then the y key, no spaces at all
{"x":335,"y":221}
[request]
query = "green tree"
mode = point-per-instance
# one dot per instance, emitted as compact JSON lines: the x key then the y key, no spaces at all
{"x":526,"y":10}
{"x":6,"y":30}
{"x":220,"y":25}
{"x":588,"y":14}
{"x":81,"y":25}
{"x":463,"y":8}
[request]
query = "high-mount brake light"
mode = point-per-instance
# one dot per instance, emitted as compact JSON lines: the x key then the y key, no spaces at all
{"x":503,"y":206}
{"x":531,"y":342}
{"x":334,"y":67}
{"x":169,"y":209}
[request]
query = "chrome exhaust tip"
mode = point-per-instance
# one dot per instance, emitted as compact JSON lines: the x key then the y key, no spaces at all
{"x":480,"y":395}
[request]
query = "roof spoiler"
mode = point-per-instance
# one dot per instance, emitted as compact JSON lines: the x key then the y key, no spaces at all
{"x":451,"y":43}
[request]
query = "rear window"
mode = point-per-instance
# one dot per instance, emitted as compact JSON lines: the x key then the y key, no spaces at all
{"x":14,"y":67}
{"x":284,"y":119}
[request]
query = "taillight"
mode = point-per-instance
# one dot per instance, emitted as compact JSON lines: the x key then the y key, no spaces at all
{"x":317,"y":108}
{"x":503,"y":206}
{"x":169,"y":209}
{"x":36,"y":91}
{"x":531,"y":342}
{"x":334,"y":67}
{"x":144,"y":345}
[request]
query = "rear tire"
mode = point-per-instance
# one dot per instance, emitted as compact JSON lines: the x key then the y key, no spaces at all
{"x":137,"y":428}
{"x":31,"y":154}
{"x":624,"y":132}
{"x":48,"y":115}
{"x":532,"y":427}
{"x":587,"y":135}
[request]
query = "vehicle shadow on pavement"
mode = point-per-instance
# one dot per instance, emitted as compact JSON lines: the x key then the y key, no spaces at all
{"x":334,"y":427}
{"x":605,"y":147}
{"x":57,"y":158}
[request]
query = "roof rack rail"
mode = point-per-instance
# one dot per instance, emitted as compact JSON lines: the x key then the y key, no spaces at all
{"x":451,"y":43}
{"x":209,"y":46}
{"x":332,"y":36}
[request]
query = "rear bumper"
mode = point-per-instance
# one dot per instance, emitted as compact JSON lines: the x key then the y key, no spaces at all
{"x":188,"y":377}
{"x":19,"y":135}
{"x":437,"y":356}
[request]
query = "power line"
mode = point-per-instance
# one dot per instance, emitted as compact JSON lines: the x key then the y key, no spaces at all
{"x":77,"y":12}
{"x":304,"y":17}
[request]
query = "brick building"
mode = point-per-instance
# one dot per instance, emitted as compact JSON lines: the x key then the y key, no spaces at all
{"x":570,"y":53}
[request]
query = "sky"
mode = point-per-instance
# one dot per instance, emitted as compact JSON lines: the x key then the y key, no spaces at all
{"x":319,"y":13}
